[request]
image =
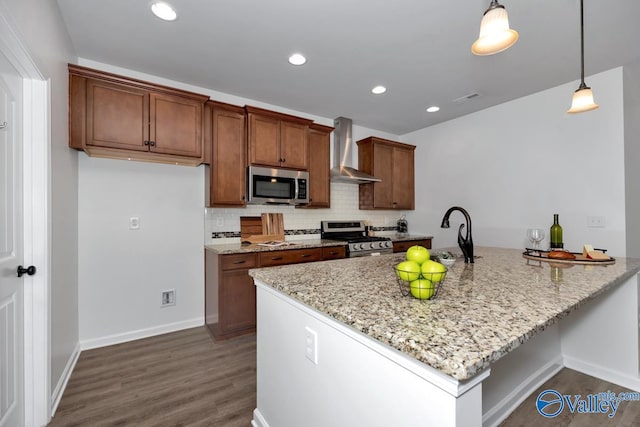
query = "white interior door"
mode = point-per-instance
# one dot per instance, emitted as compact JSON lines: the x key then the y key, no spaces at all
{"x":11,"y":251}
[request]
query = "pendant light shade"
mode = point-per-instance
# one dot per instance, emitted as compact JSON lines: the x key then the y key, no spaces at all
{"x":495,"y":34}
{"x":583,"y":97}
{"x":582,"y":100}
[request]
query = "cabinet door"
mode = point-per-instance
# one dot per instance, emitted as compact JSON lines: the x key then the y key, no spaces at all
{"x":175,"y":125}
{"x":117,"y":116}
{"x":264,"y":140}
{"x":335,"y":252}
{"x":237,"y":302}
{"x":383,"y":169}
{"x":292,"y":256}
{"x":229,"y":160}
{"x":319,"y":173}
{"x":406,"y":244}
{"x":403,"y":179}
{"x":294,"y":145}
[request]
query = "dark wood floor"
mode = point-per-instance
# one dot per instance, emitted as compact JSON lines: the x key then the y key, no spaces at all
{"x":571,"y":382}
{"x":177,"y":379}
{"x":185,"y":379}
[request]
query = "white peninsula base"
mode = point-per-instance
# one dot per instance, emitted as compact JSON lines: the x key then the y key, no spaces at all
{"x":356,"y":380}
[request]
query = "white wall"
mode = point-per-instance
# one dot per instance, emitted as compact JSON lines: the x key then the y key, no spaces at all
{"x":514,"y":165}
{"x":42,"y":30}
{"x":123,"y":272}
{"x":632,"y":156}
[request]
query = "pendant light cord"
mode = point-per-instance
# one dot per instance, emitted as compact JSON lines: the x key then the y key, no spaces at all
{"x":582,"y":84}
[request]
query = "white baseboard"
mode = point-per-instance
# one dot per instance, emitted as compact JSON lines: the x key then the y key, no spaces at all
{"x":56,"y":396}
{"x":140,"y":333}
{"x":511,"y":401}
{"x":625,"y":380}
{"x":258,"y":420}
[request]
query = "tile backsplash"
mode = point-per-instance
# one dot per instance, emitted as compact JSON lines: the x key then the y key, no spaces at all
{"x":222,"y":225}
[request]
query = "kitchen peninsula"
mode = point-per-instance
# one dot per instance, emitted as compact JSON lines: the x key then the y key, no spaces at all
{"x":338,"y":344}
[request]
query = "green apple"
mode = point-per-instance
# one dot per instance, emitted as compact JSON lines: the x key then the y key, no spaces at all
{"x":418,"y":254}
{"x":408,"y":270}
{"x":422,"y":288}
{"x":433,"y":271}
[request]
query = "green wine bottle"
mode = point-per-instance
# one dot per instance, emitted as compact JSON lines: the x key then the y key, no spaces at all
{"x":555,"y":236}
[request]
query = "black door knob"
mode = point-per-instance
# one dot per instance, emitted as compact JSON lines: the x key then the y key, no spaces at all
{"x":31,"y":270}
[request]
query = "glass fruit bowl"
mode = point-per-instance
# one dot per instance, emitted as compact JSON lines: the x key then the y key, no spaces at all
{"x":447,"y":262}
{"x":418,"y":284}
{"x":445,"y":258}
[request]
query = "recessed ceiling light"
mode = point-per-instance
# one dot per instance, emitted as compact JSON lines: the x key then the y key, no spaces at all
{"x":433,"y":109}
{"x":378,"y":90}
{"x":297,"y":59}
{"x":164,"y":11}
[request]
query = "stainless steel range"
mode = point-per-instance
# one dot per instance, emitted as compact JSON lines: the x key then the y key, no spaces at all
{"x":354,"y":232}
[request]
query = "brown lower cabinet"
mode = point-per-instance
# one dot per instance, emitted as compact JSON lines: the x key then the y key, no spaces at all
{"x":230,"y":295}
{"x":406,"y":244}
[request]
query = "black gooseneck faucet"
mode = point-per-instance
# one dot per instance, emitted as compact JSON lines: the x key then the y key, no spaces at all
{"x":465,"y":243}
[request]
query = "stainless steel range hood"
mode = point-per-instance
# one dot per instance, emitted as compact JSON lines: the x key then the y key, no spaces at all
{"x":342,"y":155}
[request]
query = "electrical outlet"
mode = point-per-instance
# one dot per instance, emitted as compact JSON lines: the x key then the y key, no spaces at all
{"x":595,"y":221}
{"x":311,"y":344}
{"x":168,"y":298}
{"x":134,"y":223}
{"x":219,"y":221}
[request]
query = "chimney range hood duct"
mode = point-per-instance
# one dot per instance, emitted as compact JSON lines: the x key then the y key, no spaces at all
{"x":342,"y":155}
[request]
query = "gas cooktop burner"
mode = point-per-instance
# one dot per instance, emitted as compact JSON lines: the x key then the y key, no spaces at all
{"x":354,"y":233}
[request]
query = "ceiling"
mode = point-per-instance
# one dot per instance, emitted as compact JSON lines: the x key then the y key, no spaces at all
{"x":418,"y":49}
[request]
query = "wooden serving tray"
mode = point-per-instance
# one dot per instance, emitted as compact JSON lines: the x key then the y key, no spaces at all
{"x":261,"y":238}
{"x":540,"y":255}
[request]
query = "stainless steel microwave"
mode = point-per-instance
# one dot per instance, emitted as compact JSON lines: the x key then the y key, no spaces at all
{"x":277,"y":186}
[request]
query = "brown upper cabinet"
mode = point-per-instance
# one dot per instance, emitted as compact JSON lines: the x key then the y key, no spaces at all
{"x":319,"y":166}
{"x":393,"y":163}
{"x":226,"y":153}
{"x":118,"y":117}
{"x":277,"y":139}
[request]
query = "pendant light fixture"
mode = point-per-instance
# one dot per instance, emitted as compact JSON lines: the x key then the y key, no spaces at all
{"x":583,"y":96}
{"x":495,"y":34}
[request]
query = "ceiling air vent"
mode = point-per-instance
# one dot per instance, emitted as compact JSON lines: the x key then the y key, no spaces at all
{"x":467,"y":97}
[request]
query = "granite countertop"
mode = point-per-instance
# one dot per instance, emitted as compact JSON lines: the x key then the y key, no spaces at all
{"x":239,"y":248}
{"x":482,"y":312}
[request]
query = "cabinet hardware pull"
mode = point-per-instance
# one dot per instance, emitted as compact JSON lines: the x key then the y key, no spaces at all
{"x":146,"y":142}
{"x":333,"y":253}
{"x":305,"y":255}
{"x":152,"y":143}
{"x":276,"y":258}
{"x":3,"y":125}
{"x":239,"y":262}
